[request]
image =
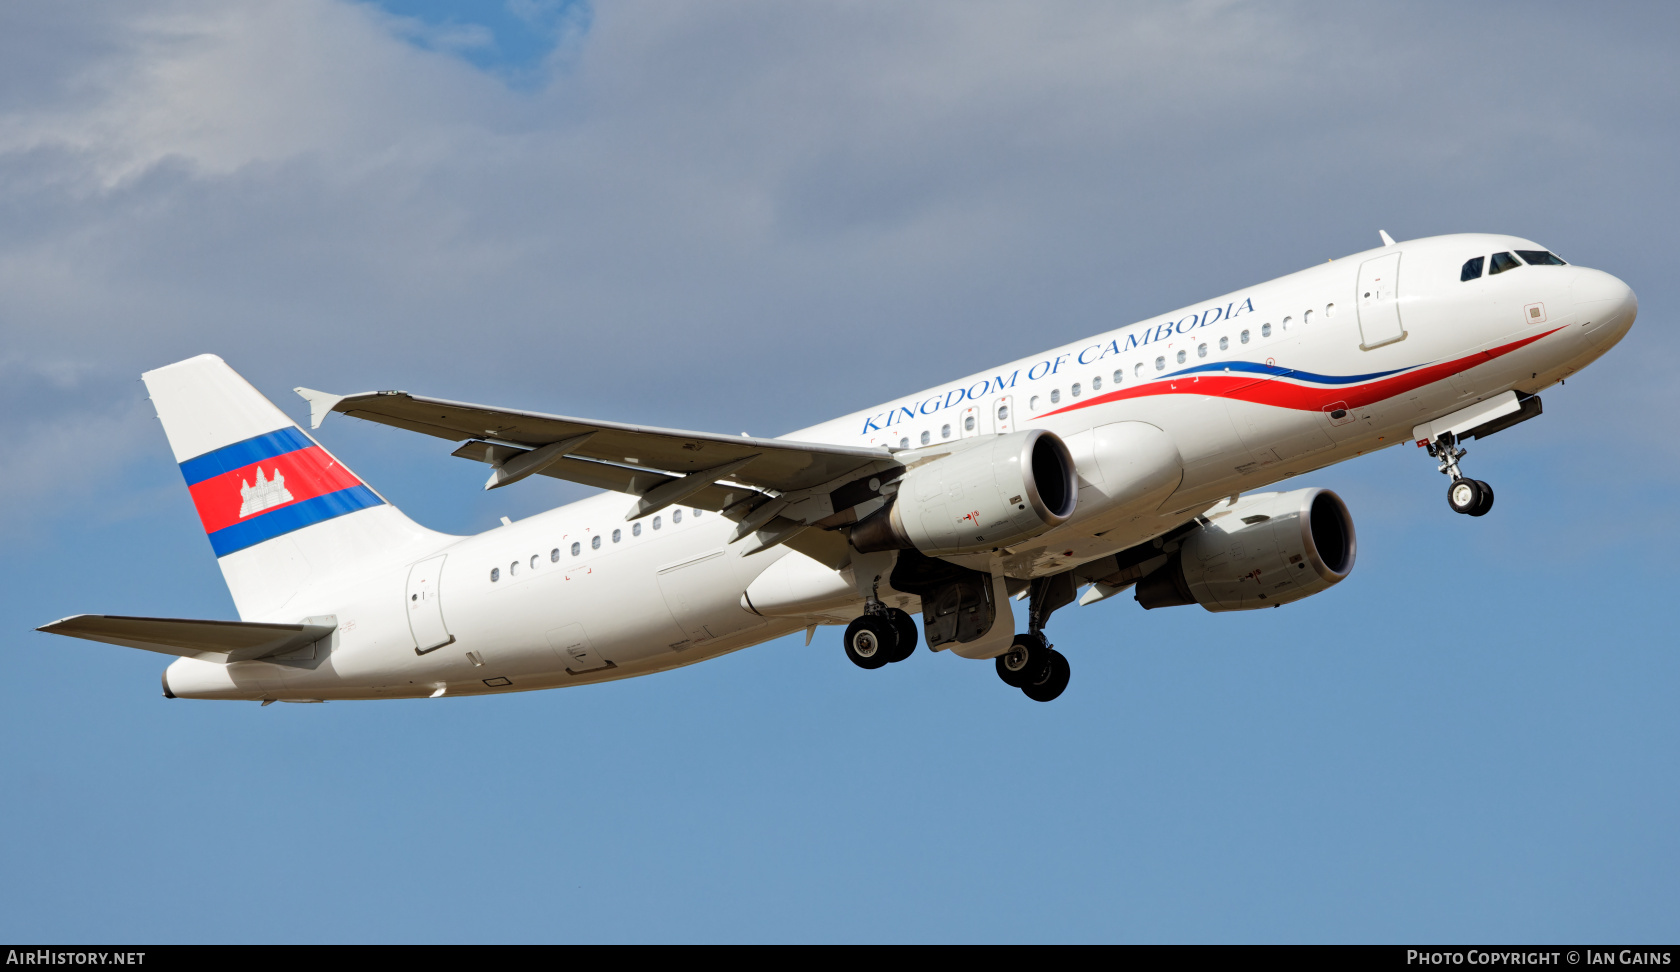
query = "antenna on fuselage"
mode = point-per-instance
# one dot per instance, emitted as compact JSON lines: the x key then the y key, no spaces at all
{"x":1387,"y":240}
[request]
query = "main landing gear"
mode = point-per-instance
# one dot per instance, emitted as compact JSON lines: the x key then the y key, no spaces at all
{"x":1031,"y":664}
{"x":880,"y":637}
{"x":1469,"y":496}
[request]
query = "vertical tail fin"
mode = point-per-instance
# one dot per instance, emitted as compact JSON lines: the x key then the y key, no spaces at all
{"x":280,"y":511}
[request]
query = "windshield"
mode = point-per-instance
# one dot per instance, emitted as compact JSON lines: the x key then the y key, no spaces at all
{"x":1541,"y":258}
{"x":1503,"y":262}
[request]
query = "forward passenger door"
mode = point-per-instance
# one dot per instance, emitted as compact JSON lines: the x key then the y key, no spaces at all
{"x":1378,"y":300}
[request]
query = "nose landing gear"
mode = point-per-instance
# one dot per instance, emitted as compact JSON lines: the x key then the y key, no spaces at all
{"x":1471,"y":497}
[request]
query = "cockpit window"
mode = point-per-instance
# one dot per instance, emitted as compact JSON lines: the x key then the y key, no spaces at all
{"x":1541,"y":258}
{"x":1472,"y":269}
{"x":1503,"y":262}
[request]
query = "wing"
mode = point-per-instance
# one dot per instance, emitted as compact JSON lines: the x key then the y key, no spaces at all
{"x":772,"y":487}
{"x":212,"y":640}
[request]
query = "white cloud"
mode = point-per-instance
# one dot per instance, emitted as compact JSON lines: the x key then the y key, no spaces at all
{"x":758,"y":214}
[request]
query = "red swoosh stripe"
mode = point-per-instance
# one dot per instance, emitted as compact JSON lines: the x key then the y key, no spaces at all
{"x":1284,"y":394}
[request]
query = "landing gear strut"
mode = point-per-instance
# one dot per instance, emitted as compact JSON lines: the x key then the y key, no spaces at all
{"x":1031,"y":664}
{"x":1469,"y":496}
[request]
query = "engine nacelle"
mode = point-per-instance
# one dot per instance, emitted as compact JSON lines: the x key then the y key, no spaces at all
{"x":985,"y":492}
{"x":1268,"y":549}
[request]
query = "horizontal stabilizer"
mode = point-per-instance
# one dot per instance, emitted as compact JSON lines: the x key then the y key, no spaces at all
{"x":211,"y":640}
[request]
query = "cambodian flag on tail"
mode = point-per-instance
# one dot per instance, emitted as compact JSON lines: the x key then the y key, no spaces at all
{"x":270,"y":485}
{"x":254,"y":475}
{"x":280,"y":511}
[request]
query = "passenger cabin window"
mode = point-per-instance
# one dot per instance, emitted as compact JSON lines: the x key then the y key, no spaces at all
{"x":595,"y":542}
{"x":1137,"y":370}
{"x":513,"y":568}
{"x":676,"y":516}
{"x":1075,"y":389}
{"x":656,"y":523}
{"x":635,"y":529}
{"x":1160,"y":364}
{"x":1472,"y":269}
{"x":1055,"y":395}
{"x":928,"y":436}
{"x":577,"y":548}
{"x":1288,"y":321}
{"x":1201,"y":350}
{"x":618,"y":535}
{"x":1306,"y":318}
{"x":1003,"y":412}
{"x":1266,"y":330}
{"x":968,"y":423}
{"x":1245,"y":335}
{"x":1541,"y":258}
{"x":533,"y":561}
{"x":1503,"y":262}
{"x":1096,"y":383}
{"x":945,"y":431}
{"x":1118,"y":374}
{"x":495,"y":574}
{"x":1181,"y":357}
{"x":554,"y":556}
{"x":1224,"y":344}
{"x":904,"y":443}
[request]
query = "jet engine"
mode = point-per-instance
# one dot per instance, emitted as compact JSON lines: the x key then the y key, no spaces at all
{"x":1267,"y":549}
{"x":974,"y":495}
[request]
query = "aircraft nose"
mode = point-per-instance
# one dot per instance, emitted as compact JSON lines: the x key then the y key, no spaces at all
{"x":1603,"y":303}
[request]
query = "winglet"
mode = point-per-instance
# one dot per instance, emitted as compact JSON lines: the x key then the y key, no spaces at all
{"x":320,"y":403}
{"x":1387,"y":240}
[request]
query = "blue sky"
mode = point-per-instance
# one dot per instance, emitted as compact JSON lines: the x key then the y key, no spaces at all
{"x":753,"y":216}
{"x":512,"y":39}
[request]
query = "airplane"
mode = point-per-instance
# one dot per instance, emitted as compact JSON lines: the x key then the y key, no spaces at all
{"x":1136,"y":459}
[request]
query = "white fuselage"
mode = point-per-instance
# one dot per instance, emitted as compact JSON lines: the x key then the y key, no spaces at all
{"x":1254,"y":387}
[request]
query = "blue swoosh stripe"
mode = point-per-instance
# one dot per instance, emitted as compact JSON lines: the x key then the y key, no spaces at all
{"x":242,"y":454}
{"x":1256,"y":368}
{"x":274,"y":523}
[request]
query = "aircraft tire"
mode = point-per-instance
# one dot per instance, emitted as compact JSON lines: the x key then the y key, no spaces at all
{"x":905,"y":626}
{"x":871,"y":641}
{"x":1465,"y":496}
{"x":1026,"y":661}
{"x":1487,"y":500}
{"x":1054,"y":682}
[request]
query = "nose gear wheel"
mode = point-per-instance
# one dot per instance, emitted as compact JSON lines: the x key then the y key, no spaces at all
{"x":1471,"y":497}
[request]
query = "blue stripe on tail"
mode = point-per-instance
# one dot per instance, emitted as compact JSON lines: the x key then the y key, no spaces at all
{"x":296,"y":516}
{"x":242,"y":454}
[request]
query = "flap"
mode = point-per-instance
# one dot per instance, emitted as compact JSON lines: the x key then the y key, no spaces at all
{"x":190,"y":638}
{"x":606,"y":475}
{"x":777,"y":464}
